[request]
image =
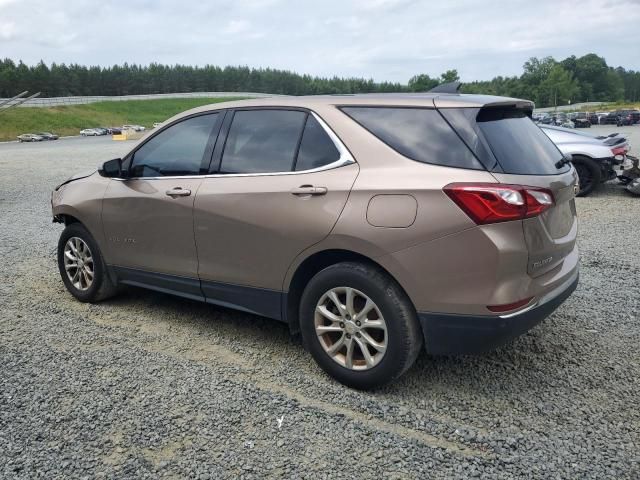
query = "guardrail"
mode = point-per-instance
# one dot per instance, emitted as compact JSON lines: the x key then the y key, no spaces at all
{"x":66,"y":101}
{"x":569,"y":108}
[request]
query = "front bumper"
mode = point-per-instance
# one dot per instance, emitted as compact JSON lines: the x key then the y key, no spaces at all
{"x":455,"y":334}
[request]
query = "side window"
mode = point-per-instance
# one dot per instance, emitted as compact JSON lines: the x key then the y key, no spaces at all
{"x":316,"y":148}
{"x":262,"y":141}
{"x":420,"y":134}
{"x":178,"y":150}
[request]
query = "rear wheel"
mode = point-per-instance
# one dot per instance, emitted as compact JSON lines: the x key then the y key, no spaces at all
{"x":81,"y":266}
{"x":359,"y":325}
{"x":589,"y":174}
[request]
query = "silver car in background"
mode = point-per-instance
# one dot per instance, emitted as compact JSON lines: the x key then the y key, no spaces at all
{"x":89,"y":132}
{"x":595,"y":158}
{"x":29,"y":137}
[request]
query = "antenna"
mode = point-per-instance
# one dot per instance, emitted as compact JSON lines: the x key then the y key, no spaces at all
{"x":451,"y":87}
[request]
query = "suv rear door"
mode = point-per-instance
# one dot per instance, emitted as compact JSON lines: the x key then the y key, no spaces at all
{"x":279,"y":180}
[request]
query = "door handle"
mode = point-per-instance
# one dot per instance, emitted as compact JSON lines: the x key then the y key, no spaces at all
{"x":178,"y":192}
{"x":309,"y":190}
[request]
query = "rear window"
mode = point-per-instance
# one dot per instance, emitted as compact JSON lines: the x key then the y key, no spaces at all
{"x":505,"y":140}
{"x":420,"y":134}
{"x":518,"y":144}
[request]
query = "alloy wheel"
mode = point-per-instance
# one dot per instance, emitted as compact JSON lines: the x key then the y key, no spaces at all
{"x":78,"y":263}
{"x":351,"y":328}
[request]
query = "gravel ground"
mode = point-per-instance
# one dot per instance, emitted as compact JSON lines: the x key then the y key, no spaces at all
{"x":147,"y":386}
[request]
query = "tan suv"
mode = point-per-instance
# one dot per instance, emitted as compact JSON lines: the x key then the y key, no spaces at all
{"x":372,"y":224}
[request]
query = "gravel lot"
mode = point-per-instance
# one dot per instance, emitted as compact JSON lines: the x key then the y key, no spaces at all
{"x":147,"y":385}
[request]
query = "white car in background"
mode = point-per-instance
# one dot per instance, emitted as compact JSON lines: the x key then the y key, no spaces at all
{"x":89,"y":132}
{"x":137,"y":128}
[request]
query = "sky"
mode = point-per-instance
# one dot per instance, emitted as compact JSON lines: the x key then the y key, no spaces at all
{"x":381,"y":39}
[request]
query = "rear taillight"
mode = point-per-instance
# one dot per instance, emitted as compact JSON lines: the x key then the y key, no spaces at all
{"x":497,"y":202}
{"x":618,"y":151}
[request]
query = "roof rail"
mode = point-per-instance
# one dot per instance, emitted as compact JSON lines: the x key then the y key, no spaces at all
{"x":451,"y":87}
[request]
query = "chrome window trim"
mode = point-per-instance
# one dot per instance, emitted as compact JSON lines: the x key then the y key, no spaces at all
{"x":345,"y":159}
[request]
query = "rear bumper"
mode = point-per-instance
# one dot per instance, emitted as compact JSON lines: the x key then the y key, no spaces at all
{"x":452,"y":334}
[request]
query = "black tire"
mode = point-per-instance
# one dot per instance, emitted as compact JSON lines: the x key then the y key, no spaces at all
{"x":589,"y":173}
{"x":102,"y":287}
{"x":404,"y":335}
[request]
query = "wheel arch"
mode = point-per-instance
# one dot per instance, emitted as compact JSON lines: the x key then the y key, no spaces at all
{"x":66,"y":219}
{"x":66,"y":215}
{"x":309,"y":267}
{"x":603,"y":162}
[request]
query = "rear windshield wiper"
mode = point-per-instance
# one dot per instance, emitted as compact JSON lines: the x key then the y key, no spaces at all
{"x":566,"y":160}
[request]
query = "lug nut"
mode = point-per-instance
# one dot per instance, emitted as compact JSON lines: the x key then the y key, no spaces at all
{"x":358,"y":322}
{"x":341,"y":325}
{"x":348,"y":335}
{"x":357,"y":334}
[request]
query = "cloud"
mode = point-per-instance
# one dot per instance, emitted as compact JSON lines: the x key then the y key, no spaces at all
{"x":236,"y":26}
{"x":383,"y":4}
{"x":380,"y":39}
{"x":7,"y":30}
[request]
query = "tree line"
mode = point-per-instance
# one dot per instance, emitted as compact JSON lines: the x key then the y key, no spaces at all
{"x":546,"y":81}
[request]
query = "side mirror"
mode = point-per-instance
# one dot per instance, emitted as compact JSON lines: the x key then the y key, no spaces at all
{"x":111,"y":168}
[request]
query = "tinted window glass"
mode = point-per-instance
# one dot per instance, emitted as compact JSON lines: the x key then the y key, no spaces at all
{"x":316,"y":148}
{"x":418,"y":133}
{"x":517,"y":143}
{"x":261,"y":141}
{"x":463,"y":121}
{"x":178,"y":150}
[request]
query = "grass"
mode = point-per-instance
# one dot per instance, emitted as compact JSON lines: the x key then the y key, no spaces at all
{"x":70,"y":120}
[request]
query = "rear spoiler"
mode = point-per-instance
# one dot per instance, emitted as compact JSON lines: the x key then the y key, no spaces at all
{"x":454,"y":88}
{"x":481,"y":101}
{"x":524,"y":106}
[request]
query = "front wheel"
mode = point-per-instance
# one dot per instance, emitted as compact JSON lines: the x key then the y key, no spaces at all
{"x":82,"y":267}
{"x":359,"y":325}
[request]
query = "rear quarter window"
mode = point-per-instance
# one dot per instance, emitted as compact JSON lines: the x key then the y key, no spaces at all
{"x":316,"y":148}
{"x":420,"y":134}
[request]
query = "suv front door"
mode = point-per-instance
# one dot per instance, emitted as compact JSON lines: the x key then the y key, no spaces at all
{"x":148,"y":216}
{"x":277,"y":187}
